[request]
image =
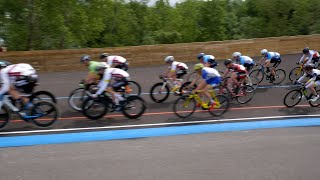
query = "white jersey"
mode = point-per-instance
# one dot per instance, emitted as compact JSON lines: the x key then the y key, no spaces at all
{"x":208,"y":73}
{"x":115,"y":60}
{"x":245,"y":60}
{"x":111,"y":73}
{"x":11,"y":73}
{"x":178,"y":66}
{"x":314,"y":73}
{"x":312,"y":54}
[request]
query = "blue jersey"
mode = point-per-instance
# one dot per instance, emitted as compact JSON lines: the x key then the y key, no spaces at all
{"x":272,"y":55}
{"x":208,"y":73}
{"x":245,"y":60}
{"x":206,"y":58}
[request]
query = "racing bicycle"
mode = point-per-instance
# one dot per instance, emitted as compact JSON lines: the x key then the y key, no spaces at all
{"x":258,"y":75}
{"x":132,"y":106}
{"x":293,"y":97}
{"x":42,"y":113}
{"x":78,"y":95}
{"x":186,"y":104}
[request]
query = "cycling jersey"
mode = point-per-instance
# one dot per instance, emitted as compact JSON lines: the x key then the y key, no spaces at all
{"x":93,"y":65}
{"x":245,"y":60}
{"x":109,"y":74}
{"x":237,"y":68}
{"x":207,"y":58}
{"x":115,"y":60}
{"x":273,"y":56}
{"x":179,"y":67}
{"x":211,"y":76}
{"x":314,"y":74}
{"x":16,"y":74}
{"x":312,"y":57}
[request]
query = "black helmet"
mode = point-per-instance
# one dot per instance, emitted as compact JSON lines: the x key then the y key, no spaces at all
{"x":228,"y":61}
{"x":103,"y":55}
{"x":309,"y":66}
{"x":305,"y":50}
{"x":85,"y":58}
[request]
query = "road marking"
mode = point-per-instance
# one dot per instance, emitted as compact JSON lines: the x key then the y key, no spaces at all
{"x":159,"y":124}
{"x":30,"y":140}
{"x":259,"y":87}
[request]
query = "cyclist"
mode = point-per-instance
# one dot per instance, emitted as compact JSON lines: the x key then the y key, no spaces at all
{"x":18,"y":77}
{"x":270,"y":57}
{"x":92,"y":75}
{"x":309,"y":56}
{"x":246,"y":61}
{"x":314,"y":81}
{"x":176,"y":70}
{"x":118,"y":76}
{"x":239,"y":72}
{"x":207,"y":60}
{"x":211,"y":78}
{"x":115,"y":61}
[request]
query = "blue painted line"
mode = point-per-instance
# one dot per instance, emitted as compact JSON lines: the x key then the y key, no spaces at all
{"x":151,"y":132}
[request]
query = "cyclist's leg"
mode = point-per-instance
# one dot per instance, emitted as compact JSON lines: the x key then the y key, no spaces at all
{"x":311,"y":85}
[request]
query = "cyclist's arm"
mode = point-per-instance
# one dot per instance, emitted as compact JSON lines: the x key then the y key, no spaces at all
{"x":301,"y":59}
{"x":302,"y":78}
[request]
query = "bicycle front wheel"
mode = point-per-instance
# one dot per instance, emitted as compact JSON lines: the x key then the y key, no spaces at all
{"x":184,"y":106}
{"x":134,"y":107}
{"x":246,"y":93}
{"x":279,"y":76}
{"x":295,"y":74}
{"x":94,"y":108}
{"x":256,"y":76}
{"x":4,"y":116}
{"x":292,"y":98}
{"x":76,"y":98}
{"x":222,"y":107}
{"x":47,"y":113}
{"x":158,"y":93}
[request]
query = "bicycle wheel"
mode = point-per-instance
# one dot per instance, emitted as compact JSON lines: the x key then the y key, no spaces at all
{"x":134,"y":107}
{"x":256,"y":76}
{"x":292,"y":98}
{"x":135,"y":88}
{"x":42,"y":96}
{"x":76,"y":98}
{"x":184,"y":106}
{"x":279,"y":77}
{"x":224,"y":105}
{"x":47,"y":113}
{"x":246,"y":93}
{"x":185,"y":87}
{"x":315,"y":103}
{"x":158,"y":93}
{"x":192,"y":76}
{"x":94,"y":108}
{"x":295,"y":74}
{"x":4,"y":116}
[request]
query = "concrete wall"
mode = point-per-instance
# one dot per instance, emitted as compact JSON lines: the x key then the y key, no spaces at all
{"x":68,"y":60}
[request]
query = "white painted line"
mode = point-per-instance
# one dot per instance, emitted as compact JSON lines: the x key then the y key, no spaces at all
{"x":157,"y":124}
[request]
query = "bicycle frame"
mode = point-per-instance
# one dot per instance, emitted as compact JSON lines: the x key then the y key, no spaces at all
{"x":167,"y":82}
{"x":199,"y":100}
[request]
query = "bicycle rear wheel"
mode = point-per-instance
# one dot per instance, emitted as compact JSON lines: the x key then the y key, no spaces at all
{"x":4,"y":116}
{"x":134,"y":107}
{"x":246,"y":93}
{"x":158,"y":93}
{"x":224,"y":105}
{"x":292,"y":98}
{"x":43,"y":96}
{"x":295,"y":74}
{"x":47,"y":113}
{"x":192,"y":76}
{"x":279,"y":76}
{"x":184,"y":106}
{"x":256,"y":76}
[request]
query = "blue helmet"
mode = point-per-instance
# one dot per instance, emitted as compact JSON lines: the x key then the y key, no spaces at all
{"x":200,"y":56}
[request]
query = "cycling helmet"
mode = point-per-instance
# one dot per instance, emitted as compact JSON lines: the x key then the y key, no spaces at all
{"x":85,"y":58}
{"x":228,"y":61}
{"x":236,"y":54}
{"x":198,"y":66}
{"x":200,"y":56}
{"x":264,"y":51}
{"x":169,"y":59}
{"x":103,"y":55}
{"x":4,"y":64}
{"x":100,"y":67}
{"x":309,"y":66}
{"x":305,"y":50}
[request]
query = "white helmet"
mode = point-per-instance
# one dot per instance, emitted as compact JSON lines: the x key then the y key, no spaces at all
{"x":105,"y":64}
{"x":236,"y":54}
{"x":264,"y":51}
{"x":169,"y":59}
